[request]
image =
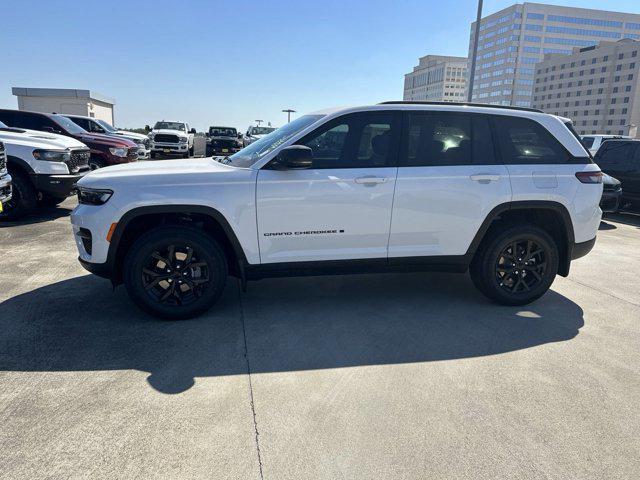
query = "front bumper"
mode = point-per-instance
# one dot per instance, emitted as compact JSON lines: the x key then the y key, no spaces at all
{"x":57,"y":185}
{"x":5,"y":188}
{"x":144,"y":153}
{"x":610,"y":201}
{"x":170,"y":148}
{"x":222,"y":151}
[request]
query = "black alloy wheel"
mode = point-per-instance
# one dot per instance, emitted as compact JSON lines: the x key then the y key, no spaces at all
{"x":521,"y":266}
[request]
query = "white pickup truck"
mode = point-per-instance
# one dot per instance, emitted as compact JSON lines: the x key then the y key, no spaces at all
{"x":172,"y":138}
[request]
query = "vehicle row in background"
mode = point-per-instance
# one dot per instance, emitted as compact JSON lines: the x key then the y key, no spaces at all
{"x":48,"y":153}
{"x":620,"y":158}
{"x":223,"y":141}
{"x":255,"y":133}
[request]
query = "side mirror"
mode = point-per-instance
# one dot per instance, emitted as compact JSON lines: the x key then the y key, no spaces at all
{"x":193,"y":130}
{"x":240,"y":135}
{"x":294,"y":157}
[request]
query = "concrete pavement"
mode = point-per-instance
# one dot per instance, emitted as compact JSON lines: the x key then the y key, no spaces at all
{"x":367,"y":376}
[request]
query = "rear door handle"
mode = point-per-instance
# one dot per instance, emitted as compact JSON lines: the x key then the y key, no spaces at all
{"x":370,"y":180}
{"x":485,"y":177}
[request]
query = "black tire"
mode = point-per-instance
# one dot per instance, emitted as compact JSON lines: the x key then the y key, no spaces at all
{"x":49,"y":201}
{"x":24,"y":199}
{"x":535,"y":264}
{"x":149,"y":267}
{"x":153,"y":155}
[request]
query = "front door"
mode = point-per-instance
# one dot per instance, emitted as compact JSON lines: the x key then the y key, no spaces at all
{"x":340,"y":209}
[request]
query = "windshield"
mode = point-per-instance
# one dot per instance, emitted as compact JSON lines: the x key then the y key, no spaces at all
{"x":258,"y":149}
{"x":262,"y":130}
{"x":222,"y":132}
{"x":106,"y":126}
{"x":69,"y":125}
{"x":170,"y":126}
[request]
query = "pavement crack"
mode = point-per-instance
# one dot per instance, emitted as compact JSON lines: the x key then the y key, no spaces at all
{"x":251,"y":400}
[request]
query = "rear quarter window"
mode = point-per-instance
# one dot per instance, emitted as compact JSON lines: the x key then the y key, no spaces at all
{"x":522,"y":141}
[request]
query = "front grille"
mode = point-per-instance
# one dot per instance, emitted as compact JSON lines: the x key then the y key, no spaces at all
{"x":165,"y":138}
{"x":224,"y":143}
{"x":78,"y":160}
{"x":3,"y":158}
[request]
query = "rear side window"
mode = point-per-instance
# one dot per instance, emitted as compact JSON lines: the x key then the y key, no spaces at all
{"x":446,"y":139}
{"x":524,"y":141}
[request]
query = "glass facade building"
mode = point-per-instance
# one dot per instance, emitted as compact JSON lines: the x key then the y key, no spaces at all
{"x":512,"y":41}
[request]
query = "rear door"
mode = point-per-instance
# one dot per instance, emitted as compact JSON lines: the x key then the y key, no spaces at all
{"x":449,"y":179}
{"x":341,"y":208}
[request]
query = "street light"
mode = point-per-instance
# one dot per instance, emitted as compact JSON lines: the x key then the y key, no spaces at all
{"x":288,"y":111}
{"x":259,"y":122}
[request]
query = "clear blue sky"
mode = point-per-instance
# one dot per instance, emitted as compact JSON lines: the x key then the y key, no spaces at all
{"x":223,"y":62}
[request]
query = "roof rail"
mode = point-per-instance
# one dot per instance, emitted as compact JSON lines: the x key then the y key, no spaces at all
{"x":467,"y":104}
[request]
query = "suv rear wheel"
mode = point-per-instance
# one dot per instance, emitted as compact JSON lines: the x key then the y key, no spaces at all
{"x":175,"y":272}
{"x":515,"y":266}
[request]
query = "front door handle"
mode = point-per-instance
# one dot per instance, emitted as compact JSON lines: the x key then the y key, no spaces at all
{"x":485,"y":177}
{"x":370,"y":180}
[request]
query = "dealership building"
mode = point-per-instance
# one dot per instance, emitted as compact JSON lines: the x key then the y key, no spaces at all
{"x":512,"y":41}
{"x":437,"y":78}
{"x":66,"y":101}
{"x":597,"y":87}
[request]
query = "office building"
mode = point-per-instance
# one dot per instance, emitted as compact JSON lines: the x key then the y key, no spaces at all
{"x":437,"y":78}
{"x":597,"y":87}
{"x":513,"y":40}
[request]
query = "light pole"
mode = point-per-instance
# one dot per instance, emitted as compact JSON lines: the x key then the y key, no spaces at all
{"x":288,"y":111}
{"x":475,"y":52}
{"x":259,"y":122}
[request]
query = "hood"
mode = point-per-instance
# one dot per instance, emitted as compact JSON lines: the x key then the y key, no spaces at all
{"x":258,"y":135}
{"x":159,"y":171}
{"x":34,"y":138}
{"x":131,"y":135}
{"x":109,"y":140}
{"x":180,"y":133}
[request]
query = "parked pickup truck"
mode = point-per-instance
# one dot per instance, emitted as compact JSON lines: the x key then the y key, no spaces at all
{"x":43,"y":166}
{"x":171,"y":138}
{"x":506,"y":193}
{"x":255,"y":133}
{"x":105,"y":150}
{"x":5,"y":179}
{"x":222,"y":141}
{"x":94,"y":125}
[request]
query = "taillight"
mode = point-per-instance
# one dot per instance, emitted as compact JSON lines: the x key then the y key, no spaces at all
{"x":590,"y":177}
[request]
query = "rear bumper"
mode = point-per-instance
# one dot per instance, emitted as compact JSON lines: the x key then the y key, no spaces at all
{"x":57,"y":185}
{"x":581,"y":249}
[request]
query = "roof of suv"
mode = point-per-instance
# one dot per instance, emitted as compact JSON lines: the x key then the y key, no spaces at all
{"x":461,"y":104}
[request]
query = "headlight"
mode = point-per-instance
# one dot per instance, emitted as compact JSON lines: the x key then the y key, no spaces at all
{"x":183,"y":139}
{"x":119,"y":151}
{"x":93,"y":196}
{"x":52,"y":155}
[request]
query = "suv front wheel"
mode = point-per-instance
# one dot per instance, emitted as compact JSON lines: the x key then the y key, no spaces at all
{"x":515,"y":266}
{"x":175,"y":272}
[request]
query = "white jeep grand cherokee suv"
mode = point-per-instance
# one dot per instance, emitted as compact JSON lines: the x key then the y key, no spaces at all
{"x":509,"y":194}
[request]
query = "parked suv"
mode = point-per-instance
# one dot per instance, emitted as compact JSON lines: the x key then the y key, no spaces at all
{"x":5,"y":179}
{"x":594,"y":142}
{"x":94,"y":125}
{"x":223,"y":141}
{"x":621,"y":159}
{"x":507,"y":193}
{"x":171,"y":138}
{"x":44,"y":168}
{"x":105,"y":150}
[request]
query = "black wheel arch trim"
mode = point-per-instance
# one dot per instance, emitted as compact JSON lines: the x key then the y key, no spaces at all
{"x":13,"y":160}
{"x":110,"y":268}
{"x":557,"y":207}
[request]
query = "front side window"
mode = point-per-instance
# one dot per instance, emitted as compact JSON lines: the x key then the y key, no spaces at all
{"x":358,"y":140}
{"x":524,"y":141}
{"x":447,"y":139}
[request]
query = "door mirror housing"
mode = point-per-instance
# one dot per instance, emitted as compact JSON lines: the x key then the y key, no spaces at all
{"x":193,"y":130}
{"x":293,"y":157}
